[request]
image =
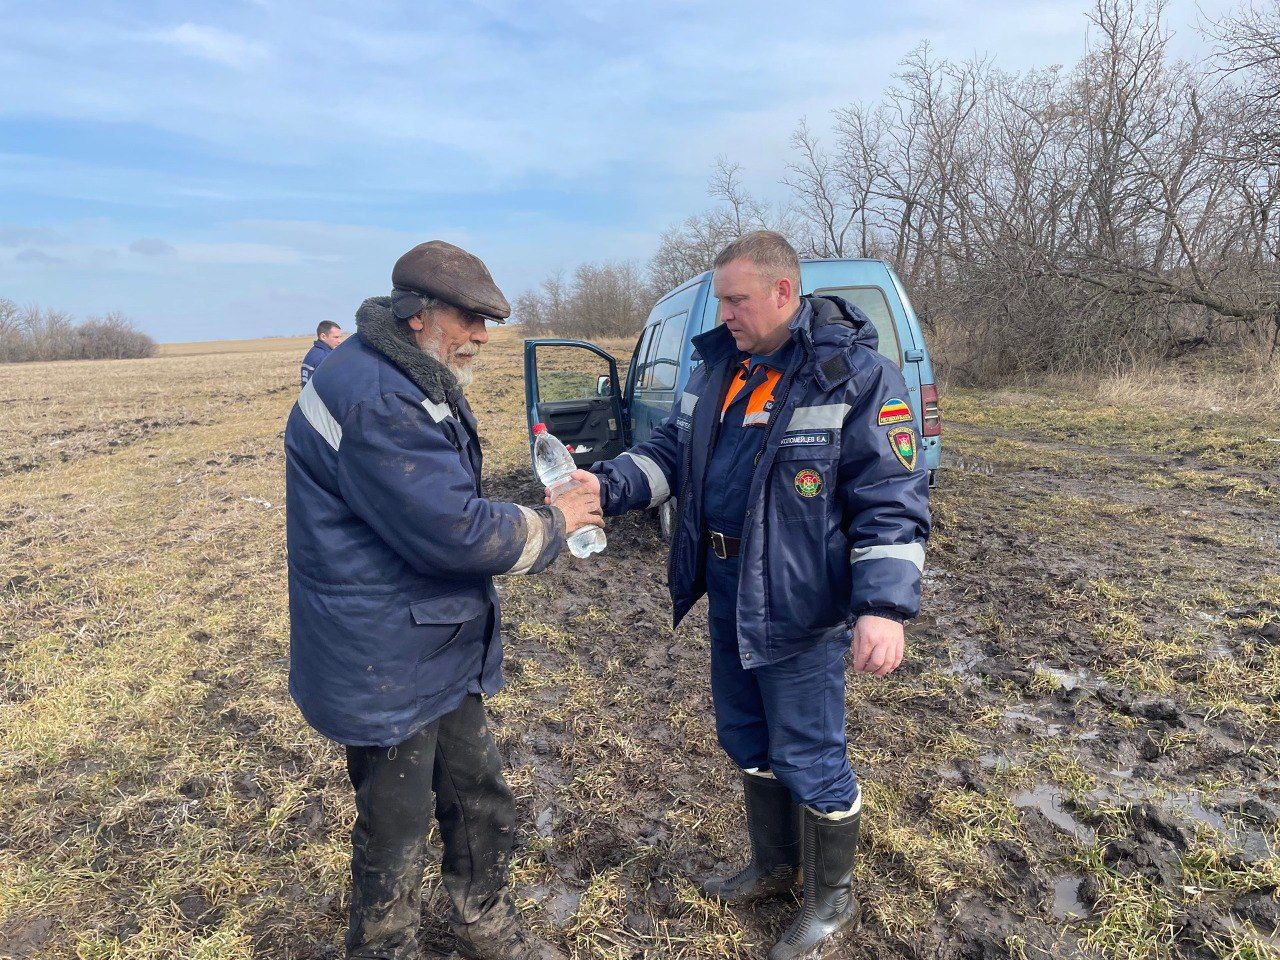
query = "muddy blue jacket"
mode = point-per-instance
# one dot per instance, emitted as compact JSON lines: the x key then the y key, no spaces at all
{"x":392,"y":544}
{"x":315,"y":356}
{"x":838,"y":509}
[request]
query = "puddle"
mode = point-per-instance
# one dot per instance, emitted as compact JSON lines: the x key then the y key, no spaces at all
{"x":994,"y":761}
{"x":1191,"y":811}
{"x":1066,"y":898}
{"x":965,"y":655}
{"x":967,"y":465}
{"x":1048,"y":799}
{"x":1030,"y":719}
{"x":1071,"y":679}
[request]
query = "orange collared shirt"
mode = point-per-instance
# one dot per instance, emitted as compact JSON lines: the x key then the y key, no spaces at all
{"x":758,"y":403}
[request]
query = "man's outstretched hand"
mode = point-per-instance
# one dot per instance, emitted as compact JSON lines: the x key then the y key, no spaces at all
{"x":877,"y":645}
{"x":581,"y":504}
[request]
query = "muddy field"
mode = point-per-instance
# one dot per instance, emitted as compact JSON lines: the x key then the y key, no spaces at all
{"x":1077,"y":759}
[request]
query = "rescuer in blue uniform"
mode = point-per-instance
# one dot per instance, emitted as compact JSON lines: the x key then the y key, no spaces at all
{"x":802,"y":514}
{"x":328,"y":336}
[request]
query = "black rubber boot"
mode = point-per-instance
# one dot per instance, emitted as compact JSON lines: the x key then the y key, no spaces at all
{"x":502,"y":935}
{"x":773,"y":826}
{"x":829,"y":847}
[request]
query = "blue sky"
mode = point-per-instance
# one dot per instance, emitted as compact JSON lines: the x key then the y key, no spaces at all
{"x":245,"y":169}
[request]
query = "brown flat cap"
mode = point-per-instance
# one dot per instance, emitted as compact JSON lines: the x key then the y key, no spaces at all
{"x":449,"y":273}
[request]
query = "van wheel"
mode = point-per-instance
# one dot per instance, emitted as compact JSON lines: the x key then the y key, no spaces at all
{"x":667,"y":519}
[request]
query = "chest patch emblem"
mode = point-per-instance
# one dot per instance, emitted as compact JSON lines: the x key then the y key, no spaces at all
{"x":808,"y":483}
{"x":893,"y":411}
{"x":903,"y":443}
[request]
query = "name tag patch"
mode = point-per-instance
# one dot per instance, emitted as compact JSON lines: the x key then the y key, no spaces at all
{"x":807,"y":438}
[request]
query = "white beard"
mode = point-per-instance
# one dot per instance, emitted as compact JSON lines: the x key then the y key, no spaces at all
{"x":462,"y":366}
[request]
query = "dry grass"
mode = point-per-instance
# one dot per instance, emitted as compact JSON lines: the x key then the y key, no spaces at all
{"x":1247,"y":382}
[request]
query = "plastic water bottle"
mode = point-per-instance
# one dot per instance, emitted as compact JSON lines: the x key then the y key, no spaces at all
{"x":554,"y":465}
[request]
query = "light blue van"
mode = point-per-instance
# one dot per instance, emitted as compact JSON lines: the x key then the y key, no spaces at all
{"x":600,"y":416}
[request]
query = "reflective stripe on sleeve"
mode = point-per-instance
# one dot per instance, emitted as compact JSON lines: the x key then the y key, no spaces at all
{"x":828,"y":417}
{"x":437,"y":411}
{"x":659,"y":488}
{"x":913,"y":552}
{"x":318,"y":415}
{"x":535,"y":539}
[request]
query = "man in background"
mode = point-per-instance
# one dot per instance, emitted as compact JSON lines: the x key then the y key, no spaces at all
{"x":328,"y":336}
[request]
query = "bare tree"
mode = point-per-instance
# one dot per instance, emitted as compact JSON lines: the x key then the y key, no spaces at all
{"x":689,"y":248}
{"x":30,"y":333}
{"x":601,"y":299}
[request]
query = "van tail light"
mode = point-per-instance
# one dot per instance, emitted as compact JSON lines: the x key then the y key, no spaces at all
{"x":932,"y":413}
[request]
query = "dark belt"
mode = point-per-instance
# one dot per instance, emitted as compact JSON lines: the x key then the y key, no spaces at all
{"x":724,"y":547}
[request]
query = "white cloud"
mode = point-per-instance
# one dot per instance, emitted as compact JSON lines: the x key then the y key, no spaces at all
{"x":211,"y":43}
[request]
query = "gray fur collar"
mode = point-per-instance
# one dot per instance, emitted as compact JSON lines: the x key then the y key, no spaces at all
{"x":391,"y":337}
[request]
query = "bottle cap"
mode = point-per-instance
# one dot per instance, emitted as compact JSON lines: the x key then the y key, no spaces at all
{"x":539,"y":428}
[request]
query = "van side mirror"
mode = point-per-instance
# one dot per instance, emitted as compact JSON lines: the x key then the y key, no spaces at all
{"x":604,"y":385}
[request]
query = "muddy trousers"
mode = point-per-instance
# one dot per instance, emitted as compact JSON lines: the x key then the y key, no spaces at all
{"x":451,"y":768}
{"x":788,"y":717}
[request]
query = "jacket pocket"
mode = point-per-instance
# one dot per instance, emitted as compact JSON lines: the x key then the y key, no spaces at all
{"x":802,"y":485}
{"x":804,"y":585}
{"x":443,"y":618}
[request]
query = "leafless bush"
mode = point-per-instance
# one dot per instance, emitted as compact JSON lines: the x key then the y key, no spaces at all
{"x":30,"y":334}
{"x":600,"y":300}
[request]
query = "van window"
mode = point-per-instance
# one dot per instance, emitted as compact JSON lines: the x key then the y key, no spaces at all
{"x":637,"y":369}
{"x":665,"y":364}
{"x":871,"y":301}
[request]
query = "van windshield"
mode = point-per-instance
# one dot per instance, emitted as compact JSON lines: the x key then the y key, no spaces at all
{"x":871,"y":301}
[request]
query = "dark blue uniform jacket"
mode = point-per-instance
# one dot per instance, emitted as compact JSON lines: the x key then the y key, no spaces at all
{"x":392,"y":545}
{"x":315,"y":356}
{"x":837,"y":521}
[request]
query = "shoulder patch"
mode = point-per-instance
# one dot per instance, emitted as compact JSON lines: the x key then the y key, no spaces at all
{"x":893,"y":411}
{"x":902,"y":441}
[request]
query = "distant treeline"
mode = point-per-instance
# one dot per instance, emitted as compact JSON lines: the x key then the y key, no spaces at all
{"x":30,"y":333}
{"x":1123,"y":209}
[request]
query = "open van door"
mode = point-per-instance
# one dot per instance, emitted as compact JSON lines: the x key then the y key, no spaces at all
{"x":572,"y":386}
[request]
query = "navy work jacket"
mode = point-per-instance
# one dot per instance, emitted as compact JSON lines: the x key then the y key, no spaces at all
{"x":393,"y":547}
{"x":836,"y":521}
{"x":315,"y":356}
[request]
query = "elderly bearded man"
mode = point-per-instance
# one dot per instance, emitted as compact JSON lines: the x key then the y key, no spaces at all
{"x":394,"y":619}
{"x":802,"y":514}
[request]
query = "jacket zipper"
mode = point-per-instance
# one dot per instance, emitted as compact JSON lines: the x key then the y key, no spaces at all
{"x":686,"y":494}
{"x":765,"y":489}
